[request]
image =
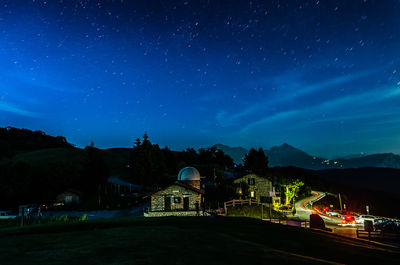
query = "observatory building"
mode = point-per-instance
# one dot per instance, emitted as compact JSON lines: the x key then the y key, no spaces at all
{"x":183,"y":198}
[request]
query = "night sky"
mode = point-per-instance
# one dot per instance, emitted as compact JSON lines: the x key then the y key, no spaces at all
{"x":323,"y":76}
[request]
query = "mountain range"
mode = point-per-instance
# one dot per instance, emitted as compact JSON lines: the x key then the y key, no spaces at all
{"x":287,"y":155}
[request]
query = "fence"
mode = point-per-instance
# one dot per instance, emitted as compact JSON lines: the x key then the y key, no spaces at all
{"x":378,"y":235}
{"x":234,"y":203}
{"x":298,"y":223}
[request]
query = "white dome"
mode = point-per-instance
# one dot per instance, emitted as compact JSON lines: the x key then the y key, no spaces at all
{"x":188,"y":173}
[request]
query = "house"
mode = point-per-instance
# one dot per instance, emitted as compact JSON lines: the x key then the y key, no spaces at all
{"x":69,"y":197}
{"x":260,"y":188}
{"x":182,"y":198}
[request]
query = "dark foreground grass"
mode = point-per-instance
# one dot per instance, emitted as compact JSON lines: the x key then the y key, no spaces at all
{"x":181,"y":241}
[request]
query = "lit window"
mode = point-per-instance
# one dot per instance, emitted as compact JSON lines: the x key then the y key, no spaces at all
{"x":252,"y":194}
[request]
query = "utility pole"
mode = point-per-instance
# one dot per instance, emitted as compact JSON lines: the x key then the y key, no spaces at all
{"x":270,"y":212}
{"x":340,"y":202}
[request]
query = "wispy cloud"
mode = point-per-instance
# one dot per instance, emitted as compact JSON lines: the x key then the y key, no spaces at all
{"x":16,"y":110}
{"x":351,"y":101}
{"x":300,"y":90}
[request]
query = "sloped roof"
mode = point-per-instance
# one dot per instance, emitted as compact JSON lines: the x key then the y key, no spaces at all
{"x":183,"y":185}
{"x":252,"y":175}
{"x":116,"y":180}
{"x":189,"y":187}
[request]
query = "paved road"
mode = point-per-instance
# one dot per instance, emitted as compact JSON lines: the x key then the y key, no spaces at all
{"x":303,"y":211}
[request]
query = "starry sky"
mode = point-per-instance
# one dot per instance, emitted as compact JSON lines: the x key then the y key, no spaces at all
{"x":321,"y":75}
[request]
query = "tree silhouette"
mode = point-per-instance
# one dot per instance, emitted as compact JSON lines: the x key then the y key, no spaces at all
{"x":256,"y":161}
{"x":94,"y":171}
{"x":147,"y":163}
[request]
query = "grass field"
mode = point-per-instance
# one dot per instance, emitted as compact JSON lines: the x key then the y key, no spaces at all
{"x":181,"y":241}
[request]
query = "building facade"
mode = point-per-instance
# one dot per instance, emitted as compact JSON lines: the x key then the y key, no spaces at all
{"x":260,"y":188}
{"x":183,"y":198}
{"x":69,"y":197}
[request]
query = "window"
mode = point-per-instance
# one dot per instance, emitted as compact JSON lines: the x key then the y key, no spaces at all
{"x":252,"y":195}
{"x":177,"y":199}
{"x":251,"y":181}
{"x":68,"y":199}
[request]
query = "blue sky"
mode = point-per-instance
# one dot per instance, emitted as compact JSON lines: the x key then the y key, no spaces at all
{"x":323,"y":76}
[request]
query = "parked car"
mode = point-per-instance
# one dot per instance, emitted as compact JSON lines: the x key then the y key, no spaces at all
{"x":361,"y":218}
{"x":387,"y":225}
{"x":7,"y":215}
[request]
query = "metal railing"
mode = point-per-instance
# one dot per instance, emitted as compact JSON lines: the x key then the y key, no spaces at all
{"x":378,"y":235}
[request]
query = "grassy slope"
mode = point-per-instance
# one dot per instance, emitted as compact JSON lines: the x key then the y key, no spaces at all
{"x":180,"y":241}
{"x":116,"y":158}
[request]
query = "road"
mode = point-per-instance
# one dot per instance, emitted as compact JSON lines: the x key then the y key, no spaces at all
{"x":303,"y":211}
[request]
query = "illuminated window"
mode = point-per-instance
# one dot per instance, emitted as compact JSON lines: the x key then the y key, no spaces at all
{"x":252,"y":194}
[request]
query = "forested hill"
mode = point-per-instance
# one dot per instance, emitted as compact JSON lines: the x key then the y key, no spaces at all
{"x":14,"y":140}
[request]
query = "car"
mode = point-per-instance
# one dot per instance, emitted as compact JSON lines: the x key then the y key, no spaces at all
{"x":348,"y":220}
{"x":331,"y":213}
{"x":361,"y":218}
{"x":7,"y":215}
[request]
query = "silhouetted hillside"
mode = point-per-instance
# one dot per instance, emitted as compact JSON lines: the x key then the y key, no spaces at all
{"x":287,"y":155}
{"x":13,"y":140}
{"x":388,"y":160}
{"x":236,"y":153}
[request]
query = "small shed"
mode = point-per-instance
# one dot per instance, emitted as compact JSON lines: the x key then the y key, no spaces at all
{"x":69,"y":197}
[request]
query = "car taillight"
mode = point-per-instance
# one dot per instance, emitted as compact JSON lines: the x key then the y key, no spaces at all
{"x":354,"y":222}
{"x":344,"y":221}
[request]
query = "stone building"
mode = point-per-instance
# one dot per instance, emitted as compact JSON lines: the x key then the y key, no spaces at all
{"x":183,"y":198}
{"x":260,"y":188}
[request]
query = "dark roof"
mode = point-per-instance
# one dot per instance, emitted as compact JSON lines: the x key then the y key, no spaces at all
{"x":188,"y":187}
{"x":118,"y":181}
{"x":252,"y":174}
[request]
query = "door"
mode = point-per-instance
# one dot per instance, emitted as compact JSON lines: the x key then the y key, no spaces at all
{"x":186,"y":203}
{"x":167,"y":203}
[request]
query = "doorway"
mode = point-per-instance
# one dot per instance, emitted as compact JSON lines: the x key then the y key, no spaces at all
{"x":167,"y":203}
{"x":186,"y":203}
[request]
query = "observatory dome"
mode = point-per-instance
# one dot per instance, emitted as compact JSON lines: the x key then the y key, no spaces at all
{"x":188,"y":173}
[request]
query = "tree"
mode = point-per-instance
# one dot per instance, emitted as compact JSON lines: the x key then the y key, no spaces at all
{"x":256,"y":161}
{"x":94,"y":171}
{"x":147,"y":163}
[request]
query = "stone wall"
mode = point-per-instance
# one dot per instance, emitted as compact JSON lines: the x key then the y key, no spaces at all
{"x":176,"y":213}
{"x":158,"y":201}
{"x":261,"y":187}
